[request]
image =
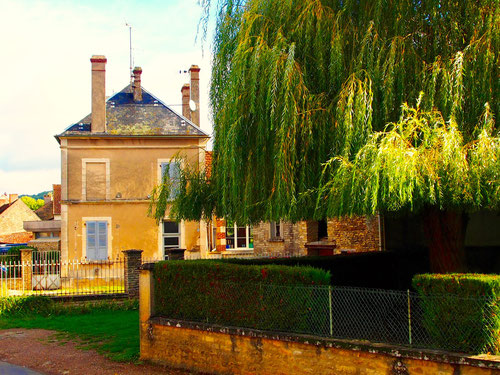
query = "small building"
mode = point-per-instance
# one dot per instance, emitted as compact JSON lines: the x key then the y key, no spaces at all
{"x":47,"y":232}
{"x":13,"y":213}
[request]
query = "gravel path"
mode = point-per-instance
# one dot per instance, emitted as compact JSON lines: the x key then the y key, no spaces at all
{"x":41,"y":351}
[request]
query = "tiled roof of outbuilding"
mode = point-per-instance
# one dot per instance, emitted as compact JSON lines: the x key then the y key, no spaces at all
{"x":148,"y":117}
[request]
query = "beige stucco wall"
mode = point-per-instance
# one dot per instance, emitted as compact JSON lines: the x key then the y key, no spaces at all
{"x":133,"y":168}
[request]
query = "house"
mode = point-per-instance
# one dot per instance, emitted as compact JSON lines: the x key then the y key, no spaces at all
{"x":13,"y":212}
{"x":327,"y":237}
{"x":47,"y":232}
{"x":113,"y":158}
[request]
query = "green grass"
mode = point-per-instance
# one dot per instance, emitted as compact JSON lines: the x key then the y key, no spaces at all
{"x":112,"y":332}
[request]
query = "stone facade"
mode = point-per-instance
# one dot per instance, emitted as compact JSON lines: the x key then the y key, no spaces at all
{"x":12,"y":218}
{"x":359,"y":233}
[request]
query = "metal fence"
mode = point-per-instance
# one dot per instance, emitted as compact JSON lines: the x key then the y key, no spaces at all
{"x":47,"y":275}
{"x":448,"y":322}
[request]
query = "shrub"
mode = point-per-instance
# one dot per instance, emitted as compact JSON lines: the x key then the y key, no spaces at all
{"x":383,"y":270}
{"x":16,"y":250}
{"x":263,"y":297}
{"x":30,"y":305}
{"x":461,"y":311}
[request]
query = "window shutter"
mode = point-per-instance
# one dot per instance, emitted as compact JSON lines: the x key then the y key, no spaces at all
{"x":91,"y":240}
{"x":102,"y":243}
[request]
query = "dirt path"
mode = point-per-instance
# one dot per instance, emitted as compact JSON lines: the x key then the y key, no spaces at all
{"x":38,"y":349}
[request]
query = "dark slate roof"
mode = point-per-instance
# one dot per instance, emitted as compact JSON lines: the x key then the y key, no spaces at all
{"x":45,"y":212}
{"x":148,"y":117}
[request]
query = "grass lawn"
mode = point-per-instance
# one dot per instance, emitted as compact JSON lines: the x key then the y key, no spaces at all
{"x":114,"y":333}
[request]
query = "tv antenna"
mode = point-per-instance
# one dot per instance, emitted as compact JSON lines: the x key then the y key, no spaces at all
{"x":130,"y":47}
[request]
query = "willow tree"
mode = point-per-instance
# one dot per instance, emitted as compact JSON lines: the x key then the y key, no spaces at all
{"x":326,"y":108}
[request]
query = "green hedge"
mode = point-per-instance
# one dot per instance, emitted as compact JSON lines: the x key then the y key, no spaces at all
{"x":264,"y":297}
{"x":461,"y":311}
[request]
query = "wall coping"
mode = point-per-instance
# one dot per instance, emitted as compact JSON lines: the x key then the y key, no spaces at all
{"x":484,"y":361}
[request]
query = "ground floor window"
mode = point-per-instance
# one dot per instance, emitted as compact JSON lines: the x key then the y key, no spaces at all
{"x":97,"y":240}
{"x":171,"y":235}
{"x":275,"y":230}
{"x":238,"y":237}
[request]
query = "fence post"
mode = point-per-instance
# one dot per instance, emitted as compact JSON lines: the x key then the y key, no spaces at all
{"x":27,"y":268}
{"x":409,"y":315}
{"x":133,"y":260}
{"x":146,"y":295}
{"x":330,"y":305}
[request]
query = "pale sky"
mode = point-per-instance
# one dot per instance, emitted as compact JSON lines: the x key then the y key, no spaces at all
{"x":45,"y":61}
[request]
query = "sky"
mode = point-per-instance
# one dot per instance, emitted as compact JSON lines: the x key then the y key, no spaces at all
{"x":45,"y":62}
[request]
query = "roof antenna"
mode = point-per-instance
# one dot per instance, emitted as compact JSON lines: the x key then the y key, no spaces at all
{"x":130,"y":45}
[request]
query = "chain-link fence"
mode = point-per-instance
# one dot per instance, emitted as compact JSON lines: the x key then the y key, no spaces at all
{"x":469,"y":325}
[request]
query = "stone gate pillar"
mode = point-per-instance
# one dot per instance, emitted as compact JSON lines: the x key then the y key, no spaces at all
{"x":27,"y":268}
{"x":133,"y":260}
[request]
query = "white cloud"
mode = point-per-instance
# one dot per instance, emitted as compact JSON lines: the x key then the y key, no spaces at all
{"x":31,"y":183}
{"x":46,"y":47}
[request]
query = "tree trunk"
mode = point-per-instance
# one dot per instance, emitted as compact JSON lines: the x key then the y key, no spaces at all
{"x":445,"y":231}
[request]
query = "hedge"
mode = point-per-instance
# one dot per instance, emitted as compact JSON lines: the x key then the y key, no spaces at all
{"x":263,"y":297}
{"x":382,"y":270}
{"x":461,"y":311}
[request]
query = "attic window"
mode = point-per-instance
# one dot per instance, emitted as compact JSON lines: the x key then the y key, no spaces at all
{"x":155,"y":103}
{"x":183,"y":123}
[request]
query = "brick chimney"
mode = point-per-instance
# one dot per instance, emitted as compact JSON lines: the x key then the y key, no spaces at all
{"x":98,"y":122}
{"x":195,"y":93}
{"x":186,"y":112}
{"x":13,"y":198}
{"x":136,"y":85}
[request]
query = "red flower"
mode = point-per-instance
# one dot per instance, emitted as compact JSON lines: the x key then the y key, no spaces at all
{"x":264,"y":273}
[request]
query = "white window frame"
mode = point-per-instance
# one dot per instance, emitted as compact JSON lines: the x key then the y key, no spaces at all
{"x":84,"y":176}
{"x":235,"y":239}
{"x":163,"y":161}
{"x":84,"y":236}
{"x":171,"y":235}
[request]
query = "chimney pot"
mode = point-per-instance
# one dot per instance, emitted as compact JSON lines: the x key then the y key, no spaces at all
{"x":98,"y":122}
{"x":136,"y":86}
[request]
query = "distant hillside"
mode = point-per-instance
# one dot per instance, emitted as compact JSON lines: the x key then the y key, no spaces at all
{"x":37,"y":196}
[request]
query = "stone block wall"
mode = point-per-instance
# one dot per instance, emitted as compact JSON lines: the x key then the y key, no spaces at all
{"x":359,"y":233}
{"x":290,"y":243}
{"x":212,"y":349}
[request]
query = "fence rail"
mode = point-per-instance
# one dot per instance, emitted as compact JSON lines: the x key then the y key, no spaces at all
{"x":453,"y":323}
{"x":47,"y":275}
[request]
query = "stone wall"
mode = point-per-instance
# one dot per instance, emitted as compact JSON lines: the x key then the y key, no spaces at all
{"x":220,"y":350}
{"x":290,"y":243}
{"x":359,"y":233}
{"x":46,"y":244}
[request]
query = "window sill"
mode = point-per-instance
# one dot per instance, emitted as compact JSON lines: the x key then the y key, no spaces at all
{"x":277,"y":239}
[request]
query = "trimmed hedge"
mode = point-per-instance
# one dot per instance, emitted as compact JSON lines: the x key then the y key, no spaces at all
{"x":461,"y":311}
{"x":382,"y":270}
{"x":263,"y":297}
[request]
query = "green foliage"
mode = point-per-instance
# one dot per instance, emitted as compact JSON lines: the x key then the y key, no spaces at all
{"x":33,"y":204}
{"x":241,"y":296}
{"x":461,"y":310}
{"x":30,"y":305}
{"x":421,"y":160}
{"x":16,"y":250}
{"x":300,"y":83}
